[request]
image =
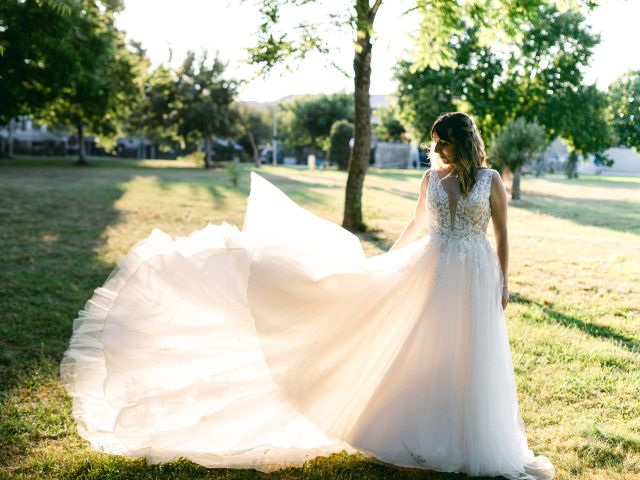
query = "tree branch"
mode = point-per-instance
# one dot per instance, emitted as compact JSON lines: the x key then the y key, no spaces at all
{"x":374,"y":10}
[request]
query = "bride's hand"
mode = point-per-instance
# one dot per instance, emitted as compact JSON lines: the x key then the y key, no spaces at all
{"x":505,"y":296}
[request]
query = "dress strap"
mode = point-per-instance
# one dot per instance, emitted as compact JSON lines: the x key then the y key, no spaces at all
{"x":485,"y":182}
{"x":433,"y":177}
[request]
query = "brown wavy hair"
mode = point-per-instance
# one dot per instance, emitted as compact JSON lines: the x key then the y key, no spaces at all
{"x":460,"y":130}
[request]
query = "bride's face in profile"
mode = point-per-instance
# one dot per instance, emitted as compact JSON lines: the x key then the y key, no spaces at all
{"x":445,"y":150}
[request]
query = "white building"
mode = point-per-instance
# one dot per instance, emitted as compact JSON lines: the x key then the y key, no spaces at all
{"x":626,"y":161}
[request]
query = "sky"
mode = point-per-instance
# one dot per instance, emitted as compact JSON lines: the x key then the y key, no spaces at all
{"x":229,"y":28}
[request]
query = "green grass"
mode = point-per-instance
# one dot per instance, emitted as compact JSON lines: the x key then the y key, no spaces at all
{"x":574,"y":319}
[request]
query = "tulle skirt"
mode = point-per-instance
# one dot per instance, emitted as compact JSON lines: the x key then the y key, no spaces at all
{"x":266,"y":347}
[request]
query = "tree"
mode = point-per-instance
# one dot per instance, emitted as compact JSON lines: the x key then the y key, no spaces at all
{"x":35,"y":42}
{"x":204,"y":101}
{"x":517,"y":144}
{"x":440,"y":20}
{"x":590,"y":130}
{"x":390,"y":127}
{"x":65,"y":62}
{"x":276,"y":47}
{"x":624,"y":96}
{"x":339,"y":145}
{"x":307,"y":120}
{"x":534,"y":73}
{"x":256,"y":129}
{"x":102,"y":75}
{"x":153,"y":115}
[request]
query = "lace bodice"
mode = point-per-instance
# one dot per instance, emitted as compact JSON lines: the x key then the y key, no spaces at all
{"x":464,"y":217}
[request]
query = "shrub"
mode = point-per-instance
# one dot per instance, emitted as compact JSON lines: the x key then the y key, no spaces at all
{"x":339,"y":149}
{"x":234,"y":172}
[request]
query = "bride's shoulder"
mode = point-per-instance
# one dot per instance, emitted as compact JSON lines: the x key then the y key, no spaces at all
{"x":494,"y":181}
{"x":427,"y":175}
{"x":424,"y":183}
{"x":490,"y":173}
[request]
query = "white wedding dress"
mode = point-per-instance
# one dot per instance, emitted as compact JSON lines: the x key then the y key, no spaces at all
{"x":265,"y":347}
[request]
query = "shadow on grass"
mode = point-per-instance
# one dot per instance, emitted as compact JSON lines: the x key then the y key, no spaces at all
{"x":373,"y":236}
{"x":335,"y":467}
{"x":94,"y":162}
{"x":606,"y":449}
{"x":596,"y":181}
{"x":398,"y":193}
{"x":596,"y":331}
{"x":52,"y":225}
{"x":54,"y":216}
{"x":617,"y":215}
{"x":299,"y":191}
{"x":196,"y":183}
{"x":405,"y":175}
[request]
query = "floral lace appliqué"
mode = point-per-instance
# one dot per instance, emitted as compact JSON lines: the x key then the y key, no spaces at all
{"x":467,"y":228}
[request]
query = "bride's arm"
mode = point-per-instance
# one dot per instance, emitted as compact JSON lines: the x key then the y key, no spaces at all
{"x":498,"y":200}
{"x":413,"y":229}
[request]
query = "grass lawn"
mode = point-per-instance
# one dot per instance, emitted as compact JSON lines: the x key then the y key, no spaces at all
{"x":574,"y":320}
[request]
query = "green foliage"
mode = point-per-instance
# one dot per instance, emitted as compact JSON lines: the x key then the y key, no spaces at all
{"x":101,"y":75}
{"x":193,"y":103}
{"x":390,"y":128}
{"x":204,"y":101}
{"x":533,"y":72}
{"x":307,"y":120}
{"x":624,"y":95}
{"x":587,"y":125}
{"x":234,"y":171}
{"x":256,"y":128}
{"x":67,"y":63}
{"x":439,"y":21}
{"x":339,"y":148}
{"x":571,"y":165}
{"x":422,"y":96}
{"x":195,"y":159}
{"x":603,"y":160}
{"x":278,"y":47}
{"x":501,"y":20}
{"x":153,"y":114}
{"x":517,"y":144}
{"x":36,"y":41}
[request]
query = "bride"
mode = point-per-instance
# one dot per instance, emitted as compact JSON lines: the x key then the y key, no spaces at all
{"x":266,"y":347}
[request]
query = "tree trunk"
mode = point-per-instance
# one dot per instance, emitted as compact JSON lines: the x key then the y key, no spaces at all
{"x":254,"y":147}
{"x":12,"y":128}
{"x":359,"y":162}
{"x":515,"y":184}
{"x":571,"y":167}
{"x":207,"y":152}
{"x":82,"y":159}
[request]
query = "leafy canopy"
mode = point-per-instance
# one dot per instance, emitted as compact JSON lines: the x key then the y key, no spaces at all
{"x":307,"y":120}
{"x":204,"y":99}
{"x":624,"y":95}
{"x":518,"y":143}
{"x":533,"y":71}
{"x":339,"y":147}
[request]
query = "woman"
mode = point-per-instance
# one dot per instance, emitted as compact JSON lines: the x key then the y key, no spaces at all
{"x":266,"y":347}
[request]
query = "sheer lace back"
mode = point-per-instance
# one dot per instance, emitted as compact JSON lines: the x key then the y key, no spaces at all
{"x":453,"y":215}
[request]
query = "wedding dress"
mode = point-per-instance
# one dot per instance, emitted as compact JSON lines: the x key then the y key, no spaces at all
{"x":266,"y":347}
